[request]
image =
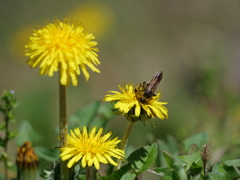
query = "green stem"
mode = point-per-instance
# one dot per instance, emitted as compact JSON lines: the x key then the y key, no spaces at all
{"x":88,"y":173}
{"x":63,"y":127}
{"x":125,"y":140}
{"x":6,"y":143}
{"x":6,"y":170}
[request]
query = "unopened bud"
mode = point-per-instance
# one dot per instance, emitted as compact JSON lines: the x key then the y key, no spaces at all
{"x":27,"y":162}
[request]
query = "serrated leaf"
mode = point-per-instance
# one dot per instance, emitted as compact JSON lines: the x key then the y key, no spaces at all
{"x":199,"y":139}
{"x":143,"y":158}
{"x":190,"y":159}
{"x":47,"y":154}
{"x":116,"y":175}
{"x":27,"y":133}
{"x":128,"y":176}
{"x":85,"y":115}
{"x":174,"y":164}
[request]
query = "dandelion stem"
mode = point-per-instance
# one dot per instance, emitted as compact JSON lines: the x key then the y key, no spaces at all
{"x":126,"y":135}
{"x":63,"y":127}
{"x":125,"y":140}
{"x":88,"y":173}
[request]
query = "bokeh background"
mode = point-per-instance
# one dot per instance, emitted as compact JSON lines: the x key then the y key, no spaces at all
{"x":195,"y":43}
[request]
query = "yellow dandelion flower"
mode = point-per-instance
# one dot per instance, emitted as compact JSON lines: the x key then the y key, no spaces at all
{"x":63,"y":46}
{"x":91,"y":148}
{"x":135,"y":109}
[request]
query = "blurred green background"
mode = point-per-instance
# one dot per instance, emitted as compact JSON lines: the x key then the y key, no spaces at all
{"x":195,"y":43}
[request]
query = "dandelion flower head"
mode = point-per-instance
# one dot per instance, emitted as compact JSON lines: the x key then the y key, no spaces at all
{"x":91,"y":148}
{"x":129,"y":103}
{"x":26,"y":157}
{"x":63,"y":46}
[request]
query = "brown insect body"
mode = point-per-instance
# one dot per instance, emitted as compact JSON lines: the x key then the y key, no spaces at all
{"x":153,"y":85}
{"x":148,"y":89}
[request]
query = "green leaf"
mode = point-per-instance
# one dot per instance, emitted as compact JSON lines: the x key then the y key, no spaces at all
{"x":2,"y":177}
{"x":197,"y":177}
{"x":232,"y":172}
{"x":27,"y":133}
{"x":160,"y":161}
{"x":170,"y":146}
{"x":199,"y":139}
{"x":218,"y":168}
{"x":128,"y":176}
{"x":85,"y":115}
{"x":235,"y":162}
{"x":174,"y":164}
{"x":143,"y":158}
{"x":171,"y":175}
{"x":47,"y":154}
{"x":196,"y":168}
{"x":192,"y":149}
{"x":105,"y":110}
{"x":168,"y":175}
{"x":216,"y":176}
{"x":225,"y":171}
{"x":2,"y":126}
{"x":2,"y":142}
{"x":162,"y":170}
{"x":103,"y":115}
{"x":173,"y":144}
{"x":169,"y":159}
{"x":116,"y":175}
{"x":12,"y":134}
{"x":190,"y":159}
{"x":56,"y":172}
{"x":10,"y":115}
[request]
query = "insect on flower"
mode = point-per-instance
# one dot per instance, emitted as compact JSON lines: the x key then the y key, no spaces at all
{"x":139,"y":102}
{"x":145,"y":91}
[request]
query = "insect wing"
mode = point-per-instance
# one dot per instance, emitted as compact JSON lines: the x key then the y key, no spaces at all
{"x":154,"y":82}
